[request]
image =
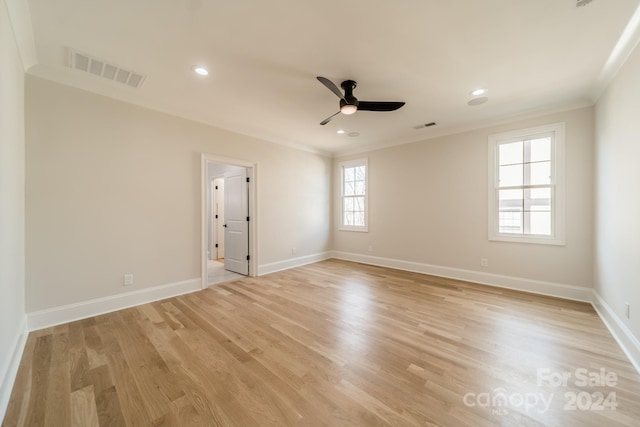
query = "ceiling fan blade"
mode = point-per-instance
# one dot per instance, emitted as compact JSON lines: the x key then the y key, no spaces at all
{"x":379,"y":106}
{"x":332,"y":87}
{"x":328,"y":119}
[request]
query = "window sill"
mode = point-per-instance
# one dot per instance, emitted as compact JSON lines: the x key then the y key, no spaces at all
{"x":540,"y":240}
{"x":357,"y":229}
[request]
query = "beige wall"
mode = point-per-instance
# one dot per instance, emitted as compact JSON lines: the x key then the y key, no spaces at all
{"x":428,"y":204}
{"x":113,"y":188}
{"x":12,"y":284}
{"x":617,"y":256}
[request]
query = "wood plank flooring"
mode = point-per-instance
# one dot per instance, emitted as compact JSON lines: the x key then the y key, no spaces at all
{"x":331,"y":344}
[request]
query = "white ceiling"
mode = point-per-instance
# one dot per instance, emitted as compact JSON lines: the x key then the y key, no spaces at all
{"x":264,"y":56}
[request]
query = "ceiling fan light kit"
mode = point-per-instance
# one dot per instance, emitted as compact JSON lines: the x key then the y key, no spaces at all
{"x":348,"y":108}
{"x":349,"y":104}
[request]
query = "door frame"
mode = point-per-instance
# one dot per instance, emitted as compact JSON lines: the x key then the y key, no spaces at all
{"x":215,"y":223}
{"x":252,"y":173}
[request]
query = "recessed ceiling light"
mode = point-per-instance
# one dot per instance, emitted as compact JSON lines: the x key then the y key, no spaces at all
{"x":477,"y":101}
{"x":200,"y":70}
{"x":478,"y":92}
{"x":353,"y":134}
{"x":340,"y":131}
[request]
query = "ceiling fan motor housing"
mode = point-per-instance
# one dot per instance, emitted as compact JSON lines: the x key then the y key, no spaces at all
{"x":349,"y":99}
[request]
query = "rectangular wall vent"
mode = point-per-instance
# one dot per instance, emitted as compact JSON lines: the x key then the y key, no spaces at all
{"x":101,"y":68}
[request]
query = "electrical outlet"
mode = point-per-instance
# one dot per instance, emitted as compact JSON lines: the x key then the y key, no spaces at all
{"x":293,"y":250}
{"x":628,"y":310}
{"x":484,"y":262}
{"x":128,"y":280}
{"x":370,"y":249}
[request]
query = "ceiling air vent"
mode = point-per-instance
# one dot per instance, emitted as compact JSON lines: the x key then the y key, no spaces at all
{"x":101,"y":68}
{"x":424,"y":125}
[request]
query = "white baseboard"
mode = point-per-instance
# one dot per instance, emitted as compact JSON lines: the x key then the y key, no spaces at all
{"x":10,"y":371}
{"x":291,"y":263}
{"x":625,"y":338}
{"x":559,"y":290}
{"x":68,"y":313}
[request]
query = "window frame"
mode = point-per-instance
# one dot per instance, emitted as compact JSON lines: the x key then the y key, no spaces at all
{"x":341,"y":167}
{"x":557,"y":184}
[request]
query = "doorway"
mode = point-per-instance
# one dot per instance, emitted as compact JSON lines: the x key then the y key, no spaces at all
{"x":229,"y":226}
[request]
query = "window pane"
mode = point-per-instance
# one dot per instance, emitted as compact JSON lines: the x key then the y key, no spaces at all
{"x":358,"y":204}
{"x":349,"y":189}
{"x":510,"y":200}
{"x":539,"y":193}
{"x":538,"y":223}
{"x":348,"y":204}
{"x":537,"y":199}
{"x":510,"y":222}
{"x":537,"y":173}
{"x":538,"y":149}
{"x":359,"y":188}
{"x":510,"y":153}
{"x":359,"y":173}
{"x":510,"y":176}
{"x":348,"y":218}
{"x":359,"y":219}
{"x":349,"y":174}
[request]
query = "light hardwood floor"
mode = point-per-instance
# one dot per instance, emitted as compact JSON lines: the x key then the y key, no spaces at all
{"x":329,"y":344}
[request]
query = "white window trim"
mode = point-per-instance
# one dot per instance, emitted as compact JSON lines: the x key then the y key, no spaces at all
{"x":341,"y":166}
{"x":558,"y":185}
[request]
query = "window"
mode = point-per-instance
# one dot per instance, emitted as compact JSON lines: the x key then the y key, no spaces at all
{"x":353,"y":210}
{"x":526,"y":185}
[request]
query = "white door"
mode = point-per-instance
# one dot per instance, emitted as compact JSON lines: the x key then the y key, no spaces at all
{"x":236,"y":213}
{"x":218,"y":213}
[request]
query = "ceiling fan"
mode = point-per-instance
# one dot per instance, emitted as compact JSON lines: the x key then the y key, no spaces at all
{"x":349,"y":104}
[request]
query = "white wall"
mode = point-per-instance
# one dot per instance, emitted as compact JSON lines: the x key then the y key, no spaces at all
{"x":617,"y":255}
{"x":113,"y":188}
{"x":12,"y":282}
{"x":428,"y":205}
